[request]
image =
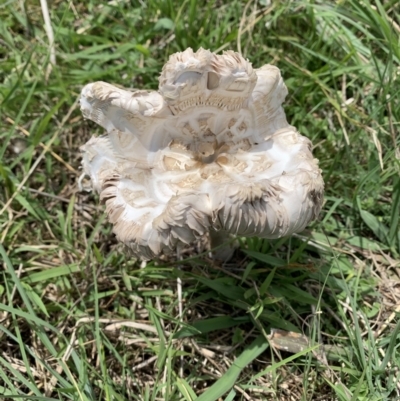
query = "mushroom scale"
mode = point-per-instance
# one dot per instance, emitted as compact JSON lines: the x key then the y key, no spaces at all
{"x":210,"y":151}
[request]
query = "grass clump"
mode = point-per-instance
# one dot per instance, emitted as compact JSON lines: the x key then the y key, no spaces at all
{"x":79,"y":318}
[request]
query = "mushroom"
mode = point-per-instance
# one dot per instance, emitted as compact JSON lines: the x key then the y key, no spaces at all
{"x":209,"y":153}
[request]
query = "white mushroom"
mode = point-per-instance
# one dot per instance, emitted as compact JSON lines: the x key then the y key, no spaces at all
{"x":210,"y":153}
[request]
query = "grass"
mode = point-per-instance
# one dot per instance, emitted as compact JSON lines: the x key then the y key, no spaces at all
{"x":81,"y":320}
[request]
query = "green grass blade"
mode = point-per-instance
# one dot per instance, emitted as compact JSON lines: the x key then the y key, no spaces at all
{"x":229,"y":379}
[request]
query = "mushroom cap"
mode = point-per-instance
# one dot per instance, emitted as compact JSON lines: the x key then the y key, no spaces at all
{"x":211,"y":149}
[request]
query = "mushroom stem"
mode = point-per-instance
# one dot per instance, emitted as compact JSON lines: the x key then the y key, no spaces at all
{"x":221,"y":245}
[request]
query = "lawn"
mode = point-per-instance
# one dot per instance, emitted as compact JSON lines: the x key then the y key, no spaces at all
{"x":312,"y":317}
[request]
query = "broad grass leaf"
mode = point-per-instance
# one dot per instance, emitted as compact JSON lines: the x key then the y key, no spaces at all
{"x":365,"y":243}
{"x":266,"y":283}
{"x":27,"y":205}
{"x":48,"y":274}
{"x":229,"y":379}
{"x":375,"y":225}
{"x":222,"y":287}
{"x":271,"y":260}
{"x":185,"y":389}
{"x":164,"y":23}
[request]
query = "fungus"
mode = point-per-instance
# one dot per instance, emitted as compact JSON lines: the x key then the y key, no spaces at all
{"x":209,"y":153}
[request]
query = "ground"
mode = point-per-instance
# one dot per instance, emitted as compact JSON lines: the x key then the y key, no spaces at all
{"x":311,"y":317}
